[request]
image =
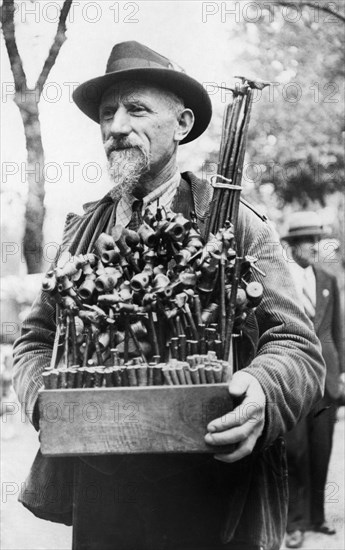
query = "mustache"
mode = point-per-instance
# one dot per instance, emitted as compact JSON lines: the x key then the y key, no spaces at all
{"x":120,"y":144}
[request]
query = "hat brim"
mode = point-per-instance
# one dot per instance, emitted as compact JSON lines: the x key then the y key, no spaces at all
{"x":88,"y":95}
{"x":303,"y":233}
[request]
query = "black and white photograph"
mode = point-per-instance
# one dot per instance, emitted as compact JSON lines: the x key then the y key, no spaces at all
{"x":172,"y":335}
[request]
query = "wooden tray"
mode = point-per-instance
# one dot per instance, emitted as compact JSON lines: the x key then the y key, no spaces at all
{"x":156,"y":419}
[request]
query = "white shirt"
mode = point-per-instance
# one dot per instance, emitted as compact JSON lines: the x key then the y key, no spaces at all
{"x":304,"y":278}
{"x":164,"y":192}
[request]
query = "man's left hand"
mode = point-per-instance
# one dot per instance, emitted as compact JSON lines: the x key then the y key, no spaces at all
{"x":245,"y":423}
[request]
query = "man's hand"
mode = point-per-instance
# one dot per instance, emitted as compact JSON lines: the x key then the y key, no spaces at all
{"x":245,"y":423}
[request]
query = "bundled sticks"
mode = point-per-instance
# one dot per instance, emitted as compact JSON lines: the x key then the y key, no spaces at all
{"x":227,"y":186}
{"x":206,"y":369}
{"x":225,"y":204}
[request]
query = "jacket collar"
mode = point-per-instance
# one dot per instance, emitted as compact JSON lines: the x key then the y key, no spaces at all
{"x":90,"y":207}
{"x":322,"y":294}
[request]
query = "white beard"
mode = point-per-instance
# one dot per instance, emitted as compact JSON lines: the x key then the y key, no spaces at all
{"x":125,"y":167}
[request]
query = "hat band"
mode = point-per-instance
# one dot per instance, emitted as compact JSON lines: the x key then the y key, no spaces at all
{"x":133,"y":63}
{"x":306,"y":228}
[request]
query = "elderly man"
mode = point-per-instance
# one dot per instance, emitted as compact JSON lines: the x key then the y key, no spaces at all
{"x":146,"y":108}
{"x":309,"y":444}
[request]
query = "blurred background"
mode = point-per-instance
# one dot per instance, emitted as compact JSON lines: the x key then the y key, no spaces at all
{"x":52,"y":158}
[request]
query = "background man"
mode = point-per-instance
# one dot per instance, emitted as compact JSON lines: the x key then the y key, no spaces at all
{"x":309,"y":444}
{"x":146,"y":108}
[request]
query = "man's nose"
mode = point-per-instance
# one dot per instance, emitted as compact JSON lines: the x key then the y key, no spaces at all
{"x":120,"y":125}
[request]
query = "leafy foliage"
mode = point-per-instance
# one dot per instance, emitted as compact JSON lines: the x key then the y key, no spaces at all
{"x":296,"y":134}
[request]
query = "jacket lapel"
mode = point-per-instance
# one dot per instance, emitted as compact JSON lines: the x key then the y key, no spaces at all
{"x":322,"y":295}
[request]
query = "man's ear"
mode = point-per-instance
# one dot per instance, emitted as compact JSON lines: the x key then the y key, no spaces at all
{"x":185,"y":124}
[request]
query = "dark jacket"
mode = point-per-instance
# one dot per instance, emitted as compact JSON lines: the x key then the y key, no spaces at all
{"x":279,"y":348}
{"x":329,"y":327}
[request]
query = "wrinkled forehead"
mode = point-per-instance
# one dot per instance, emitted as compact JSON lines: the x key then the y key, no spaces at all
{"x":131,"y":90}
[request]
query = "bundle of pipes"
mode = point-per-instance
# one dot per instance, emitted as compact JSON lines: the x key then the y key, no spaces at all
{"x":227,"y":184}
{"x":159,"y":294}
{"x":224,"y":208}
{"x":197,"y":369}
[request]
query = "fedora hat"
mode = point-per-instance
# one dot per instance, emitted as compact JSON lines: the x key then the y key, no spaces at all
{"x":304,"y":224}
{"x":133,"y":61}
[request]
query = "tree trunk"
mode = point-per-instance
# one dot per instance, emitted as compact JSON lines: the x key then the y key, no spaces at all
{"x":27,"y":101}
{"x":33,"y":245}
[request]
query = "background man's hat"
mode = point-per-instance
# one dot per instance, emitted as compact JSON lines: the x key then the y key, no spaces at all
{"x":133,"y":61}
{"x":304,"y":224}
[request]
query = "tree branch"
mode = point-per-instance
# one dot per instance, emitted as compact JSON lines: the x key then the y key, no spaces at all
{"x":315,"y":5}
{"x":7,"y":22}
{"x":59,"y":39}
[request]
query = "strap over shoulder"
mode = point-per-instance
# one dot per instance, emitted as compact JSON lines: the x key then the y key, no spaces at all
{"x":193,"y":194}
{"x":200,"y":193}
{"x":253,"y":209}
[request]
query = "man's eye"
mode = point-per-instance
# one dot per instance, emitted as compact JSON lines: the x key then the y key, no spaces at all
{"x":106,"y":115}
{"x":136,"y":109}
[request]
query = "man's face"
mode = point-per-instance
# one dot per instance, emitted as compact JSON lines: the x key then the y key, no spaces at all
{"x":138,"y":125}
{"x":303,"y":250}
